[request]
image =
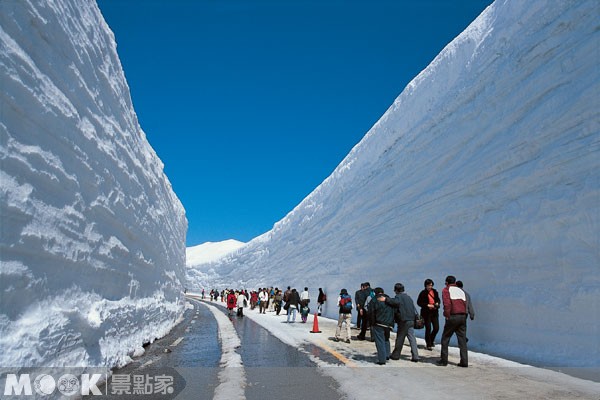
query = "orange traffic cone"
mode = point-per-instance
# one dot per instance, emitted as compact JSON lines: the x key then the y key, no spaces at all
{"x":315,"y":325}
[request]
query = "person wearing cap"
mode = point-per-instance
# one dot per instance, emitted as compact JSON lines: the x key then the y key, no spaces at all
{"x":455,"y":312}
{"x":344,"y":302}
{"x":404,"y":316}
{"x":381,"y":317}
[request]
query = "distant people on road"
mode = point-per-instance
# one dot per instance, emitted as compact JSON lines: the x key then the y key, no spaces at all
{"x":263,"y":301}
{"x":231,"y":302}
{"x":241,"y":303}
{"x":304,"y":311}
{"x":278,"y":300}
{"x":429,"y":301}
{"x":455,"y":312}
{"x":404,"y":316}
{"x":344,"y":303}
{"x":381,"y":318}
{"x":321,"y":299}
{"x":286,"y":298}
{"x":293,"y":304}
{"x":304,"y":297}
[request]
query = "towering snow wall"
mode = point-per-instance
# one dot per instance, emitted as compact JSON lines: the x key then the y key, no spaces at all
{"x":486,"y":167}
{"x":92,"y":236}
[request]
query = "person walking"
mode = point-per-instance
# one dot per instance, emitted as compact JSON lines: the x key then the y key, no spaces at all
{"x":381,"y":317}
{"x":231,"y":302}
{"x":293,"y":304}
{"x":455,"y":312}
{"x":304,"y":297}
{"x":278,"y":299}
{"x":241,"y":303}
{"x":429,"y":301}
{"x":344,"y":303}
{"x":321,"y":299}
{"x":405,"y":318}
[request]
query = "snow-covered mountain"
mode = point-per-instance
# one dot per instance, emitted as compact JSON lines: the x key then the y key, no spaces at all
{"x":211,"y":251}
{"x":92,"y":244}
{"x":486,"y":167}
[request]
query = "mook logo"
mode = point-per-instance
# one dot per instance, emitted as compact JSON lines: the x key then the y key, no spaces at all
{"x":46,"y":384}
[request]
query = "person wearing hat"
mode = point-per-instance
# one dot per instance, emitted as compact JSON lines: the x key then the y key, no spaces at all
{"x":344,"y":302}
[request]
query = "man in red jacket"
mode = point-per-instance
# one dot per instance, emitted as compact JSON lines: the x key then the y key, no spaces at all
{"x":455,"y":311}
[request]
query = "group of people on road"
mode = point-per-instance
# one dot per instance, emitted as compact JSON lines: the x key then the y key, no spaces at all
{"x":376,"y":312}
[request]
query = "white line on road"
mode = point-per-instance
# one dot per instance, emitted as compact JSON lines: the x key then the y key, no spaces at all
{"x":175,"y":343}
{"x":232,"y":377}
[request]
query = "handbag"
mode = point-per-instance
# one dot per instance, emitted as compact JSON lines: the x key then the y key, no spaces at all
{"x":419,"y":321}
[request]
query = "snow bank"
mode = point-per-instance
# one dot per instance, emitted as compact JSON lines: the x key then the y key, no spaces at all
{"x":93,"y":237}
{"x":487,"y":167}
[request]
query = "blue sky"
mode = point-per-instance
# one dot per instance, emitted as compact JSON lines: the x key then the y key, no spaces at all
{"x":251,"y":104}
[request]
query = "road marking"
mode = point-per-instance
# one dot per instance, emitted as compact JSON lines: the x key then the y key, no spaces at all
{"x":147,"y":363}
{"x":337,"y":355}
{"x":175,"y":343}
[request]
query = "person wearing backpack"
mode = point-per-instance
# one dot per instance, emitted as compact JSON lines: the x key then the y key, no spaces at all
{"x":345,"y":315}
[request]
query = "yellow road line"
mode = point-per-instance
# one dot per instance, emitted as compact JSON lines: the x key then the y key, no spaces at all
{"x":337,"y":355}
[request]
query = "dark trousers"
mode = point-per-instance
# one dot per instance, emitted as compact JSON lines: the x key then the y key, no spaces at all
{"x":455,"y":324}
{"x":432,"y":327}
{"x":364,"y":325}
{"x":405,"y":329}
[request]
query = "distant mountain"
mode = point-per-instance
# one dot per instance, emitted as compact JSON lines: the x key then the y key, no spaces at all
{"x":211,"y":251}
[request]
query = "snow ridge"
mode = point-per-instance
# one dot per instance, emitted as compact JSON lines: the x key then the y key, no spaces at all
{"x":486,"y":167}
{"x":92,"y":244}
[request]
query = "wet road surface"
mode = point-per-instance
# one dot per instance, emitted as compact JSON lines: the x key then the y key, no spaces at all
{"x":275,"y":369}
{"x":272,"y":368}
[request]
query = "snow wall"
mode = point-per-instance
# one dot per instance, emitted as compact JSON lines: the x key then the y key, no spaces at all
{"x":92,"y":235}
{"x":486,"y":167}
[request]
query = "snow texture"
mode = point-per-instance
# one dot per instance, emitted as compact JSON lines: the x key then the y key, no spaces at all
{"x":210,"y":251}
{"x":486,"y":167}
{"x":92,"y":235}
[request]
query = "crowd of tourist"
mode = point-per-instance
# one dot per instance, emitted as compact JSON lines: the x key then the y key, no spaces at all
{"x":376,"y":313}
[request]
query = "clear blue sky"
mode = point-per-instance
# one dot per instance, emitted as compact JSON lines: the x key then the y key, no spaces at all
{"x":251,"y":104}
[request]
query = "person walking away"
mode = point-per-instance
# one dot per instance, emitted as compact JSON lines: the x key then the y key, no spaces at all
{"x":231,"y":302}
{"x":405,"y":318}
{"x":359,"y":299}
{"x":304,"y":297}
{"x":278,"y":299}
{"x":294,"y":303}
{"x":429,"y":301}
{"x":263,"y":298}
{"x":381,"y":317}
{"x":286,"y":298}
{"x":321,"y":299}
{"x":304,"y":311}
{"x":344,"y":303}
{"x":455,"y":312}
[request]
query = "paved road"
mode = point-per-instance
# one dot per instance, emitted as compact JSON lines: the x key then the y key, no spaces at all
{"x":271,"y":368}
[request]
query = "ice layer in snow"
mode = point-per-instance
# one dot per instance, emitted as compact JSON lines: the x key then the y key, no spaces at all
{"x":92,"y":243}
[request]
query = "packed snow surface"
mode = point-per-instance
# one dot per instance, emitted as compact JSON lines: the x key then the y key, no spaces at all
{"x":92,"y":235}
{"x":486,"y":167}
